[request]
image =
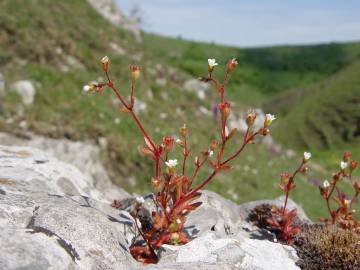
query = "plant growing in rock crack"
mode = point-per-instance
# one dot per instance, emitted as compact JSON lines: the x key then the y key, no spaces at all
{"x":175,"y":191}
{"x":342,"y":213}
{"x":281,"y":221}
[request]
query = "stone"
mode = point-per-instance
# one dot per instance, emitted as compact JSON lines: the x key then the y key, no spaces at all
{"x":23,"y":250}
{"x":85,"y":156}
{"x":197,"y":87}
{"x":2,"y":85}
{"x":117,"y":49}
{"x":110,"y":10}
{"x":52,"y":216}
{"x":73,"y":62}
{"x":26,"y":90}
{"x":49,"y":205}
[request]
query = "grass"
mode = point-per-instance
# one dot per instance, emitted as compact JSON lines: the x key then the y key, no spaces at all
{"x":325,"y":115}
{"x":34,"y":33}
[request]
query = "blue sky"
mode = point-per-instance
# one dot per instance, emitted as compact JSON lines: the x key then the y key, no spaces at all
{"x":253,"y":22}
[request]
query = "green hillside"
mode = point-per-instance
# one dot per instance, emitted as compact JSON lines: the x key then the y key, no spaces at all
{"x":323,"y":115}
{"x":57,"y":45}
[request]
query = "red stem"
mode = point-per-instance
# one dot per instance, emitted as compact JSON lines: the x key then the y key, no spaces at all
{"x":131,"y":111}
{"x":245,"y":142}
{"x":291,"y":180}
{"x":185,"y":155}
{"x":336,"y":178}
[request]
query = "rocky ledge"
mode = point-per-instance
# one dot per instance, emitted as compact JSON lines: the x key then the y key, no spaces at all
{"x":52,"y":216}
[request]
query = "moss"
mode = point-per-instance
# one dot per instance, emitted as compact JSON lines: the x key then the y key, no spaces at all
{"x":327,"y":247}
{"x":260,"y":214}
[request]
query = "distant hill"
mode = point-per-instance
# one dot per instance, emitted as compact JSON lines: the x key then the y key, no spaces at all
{"x":323,"y":115}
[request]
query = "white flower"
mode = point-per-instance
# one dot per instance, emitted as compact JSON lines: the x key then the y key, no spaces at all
{"x":326,"y":184}
{"x":178,"y":221}
{"x":140,"y":200}
{"x":343,"y":165}
{"x":212,"y":63}
{"x":211,"y":153}
{"x":178,"y":141}
{"x":234,"y":61}
{"x":171,"y":163}
{"x":307,"y":156}
{"x":269,"y":118}
{"x":86,"y":88}
{"x":347,"y":202}
{"x":105,"y":60}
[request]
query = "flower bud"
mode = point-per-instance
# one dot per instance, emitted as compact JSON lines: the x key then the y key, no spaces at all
{"x":284,"y":178}
{"x":347,"y":156}
{"x":232,"y":64}
{"x":213,"y":145}
{"x":183,"y":131}
{"x":105,"y":63}
{"x":168,"y":143}
{"x":224,"y":109}
{"x":324,"y":192}
{"x":265,"y":131}
{"x":353,"y":165}
{"x":156,"y":184}
{"x":135,"y":72}
{"x":250,"y":119}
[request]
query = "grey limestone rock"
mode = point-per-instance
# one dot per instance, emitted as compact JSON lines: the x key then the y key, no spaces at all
{"x":52,"y":216}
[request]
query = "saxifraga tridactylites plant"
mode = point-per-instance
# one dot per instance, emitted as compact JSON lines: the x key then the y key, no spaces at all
{"x":174,"y":191}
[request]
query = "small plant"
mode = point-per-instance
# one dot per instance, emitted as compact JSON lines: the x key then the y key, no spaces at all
{"x":176,"y":190}
{"x":342,"y":214}
{"x":281,"y":221}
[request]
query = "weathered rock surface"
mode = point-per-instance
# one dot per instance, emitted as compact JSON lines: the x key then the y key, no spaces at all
{"x":199,"y":88}
{"x":53,"y":217}
{"x":83,"y":155}
{"x":2,"y":85}
{"x":110,"y":11}
{"x":26,"y":90}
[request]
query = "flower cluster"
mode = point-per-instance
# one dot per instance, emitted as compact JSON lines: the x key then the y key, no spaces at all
{"x":341,"y":214}
{"x":175,"y":194}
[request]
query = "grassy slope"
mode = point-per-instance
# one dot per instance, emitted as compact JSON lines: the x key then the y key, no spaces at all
{"x":323,"y":115}
{"x":33,"y":29}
